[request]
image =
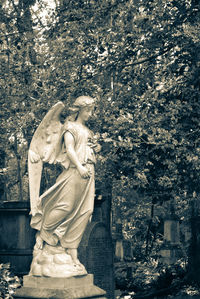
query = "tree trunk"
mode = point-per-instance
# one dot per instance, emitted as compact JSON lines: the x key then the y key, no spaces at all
{"x":107,"y":204}
{"x":149,"y":229}
{"x":19,"y":177}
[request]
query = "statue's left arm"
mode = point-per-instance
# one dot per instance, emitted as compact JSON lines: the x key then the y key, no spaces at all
{"x":93,"y":143}
{"x":69,"y":144}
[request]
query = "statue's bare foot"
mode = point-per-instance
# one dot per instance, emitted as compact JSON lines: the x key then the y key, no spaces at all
{"x":77,"y":262}
{"x":73,"y":253}
{"x":39,"y":242}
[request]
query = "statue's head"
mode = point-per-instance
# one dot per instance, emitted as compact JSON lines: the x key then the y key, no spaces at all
{"x":80,"y":104}
{"x":84,"y":101}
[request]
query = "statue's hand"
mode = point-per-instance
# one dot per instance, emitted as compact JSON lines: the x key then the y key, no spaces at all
{"x":84,"y":172}
{"x":95,"y":146}
{"x":34,"y":158}
{"x":39,"y":242}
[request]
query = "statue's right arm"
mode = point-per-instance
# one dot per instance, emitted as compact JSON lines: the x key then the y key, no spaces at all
{"x":69,"y":145}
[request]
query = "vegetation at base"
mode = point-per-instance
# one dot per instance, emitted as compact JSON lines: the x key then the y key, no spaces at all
{"x":8,"y":282}
{"x":152,"y":279}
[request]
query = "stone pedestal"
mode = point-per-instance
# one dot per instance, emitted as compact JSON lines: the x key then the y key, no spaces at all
{"x":59,"y":288}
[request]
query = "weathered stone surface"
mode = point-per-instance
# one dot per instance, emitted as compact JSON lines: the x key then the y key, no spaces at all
{"x":54,"y":262}
{"x":119,"y":250}
{"x":59,"y":288}
{"x":172,"y":231}
{"x":57,"y":283}
{"x":170,"y":253}
{"x":170,"y":250}
{"x":61,"y":214}
{"x":73,"y":293}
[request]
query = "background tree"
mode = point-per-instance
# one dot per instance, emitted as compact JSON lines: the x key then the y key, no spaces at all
{"x":141,"y":61}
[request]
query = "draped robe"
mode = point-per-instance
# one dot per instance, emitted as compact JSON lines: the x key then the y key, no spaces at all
{"x":65,"y":208}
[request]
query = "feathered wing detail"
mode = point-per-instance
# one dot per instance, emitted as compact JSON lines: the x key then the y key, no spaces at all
{"x":46,"y":146}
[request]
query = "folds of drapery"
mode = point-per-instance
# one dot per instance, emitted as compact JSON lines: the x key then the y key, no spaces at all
{"x":65,"y":209}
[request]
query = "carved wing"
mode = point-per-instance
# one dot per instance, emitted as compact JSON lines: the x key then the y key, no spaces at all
{"x":45,"y":147}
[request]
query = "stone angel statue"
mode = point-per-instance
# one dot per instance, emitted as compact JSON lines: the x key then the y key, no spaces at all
{"x":60,"y":214}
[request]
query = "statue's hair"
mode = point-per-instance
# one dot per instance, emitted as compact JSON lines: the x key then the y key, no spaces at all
{"x":80,"y":102}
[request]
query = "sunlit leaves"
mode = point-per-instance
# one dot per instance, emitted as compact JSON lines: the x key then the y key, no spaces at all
{"x":140,"y":60}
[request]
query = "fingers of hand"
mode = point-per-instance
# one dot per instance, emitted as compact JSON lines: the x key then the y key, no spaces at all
{"x":87,"y":175}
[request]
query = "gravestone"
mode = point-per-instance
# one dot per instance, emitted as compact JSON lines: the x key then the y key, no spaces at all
{"x":96,"y":253}
{"x":17,"y":238}
{"x":172,"y":230}
{"x":170,"y":250}
{"x":128,"y":255}
{"x":119,"y":249}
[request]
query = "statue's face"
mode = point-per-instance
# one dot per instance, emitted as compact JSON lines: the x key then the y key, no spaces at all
{"x":85,"y":113}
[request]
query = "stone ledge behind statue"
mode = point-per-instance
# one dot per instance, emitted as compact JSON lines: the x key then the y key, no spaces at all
{"x":59,"y":288}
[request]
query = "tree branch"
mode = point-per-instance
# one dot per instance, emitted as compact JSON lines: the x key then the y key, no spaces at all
{"x":151,"y":57}
{"x":10,"y":185}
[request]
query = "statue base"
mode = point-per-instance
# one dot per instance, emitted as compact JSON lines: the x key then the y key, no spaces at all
{"x":59,"y":288}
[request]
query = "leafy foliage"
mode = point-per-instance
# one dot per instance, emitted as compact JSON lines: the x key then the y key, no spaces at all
{"x":8,"y":282}
{"x":154,"y":280}
{"x":140,"y":59}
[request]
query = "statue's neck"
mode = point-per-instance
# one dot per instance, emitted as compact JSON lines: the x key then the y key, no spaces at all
{"x":80,"y":121}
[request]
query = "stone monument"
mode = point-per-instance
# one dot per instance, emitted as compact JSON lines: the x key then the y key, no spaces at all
{"x":170,"y":250}
{"x":61,"y":214}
